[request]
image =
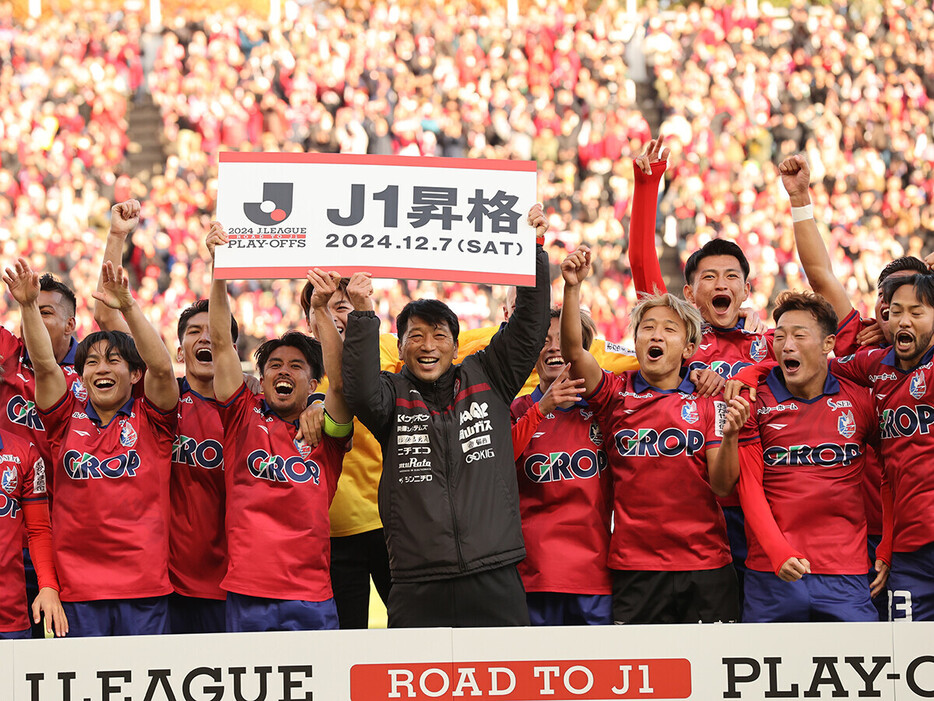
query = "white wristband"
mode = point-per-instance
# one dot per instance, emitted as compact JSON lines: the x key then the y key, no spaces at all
{"x":802,"y":213}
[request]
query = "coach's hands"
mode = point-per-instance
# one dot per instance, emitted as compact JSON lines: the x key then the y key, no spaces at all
{"x":124,"y":218}
{"x":793,"y":569}
{"x":538,"y":220}
{"x":49,"y":605}
{"x":22,"y":282}
{"x":796,"y":176}
{"x":360,"y":292}
{"x":576,"y":267}
{"x":217,"y":236}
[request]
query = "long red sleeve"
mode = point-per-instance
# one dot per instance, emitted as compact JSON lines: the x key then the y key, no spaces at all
{"x":643,"y":258}
{"x":39,"y":534}
{"x":523,"y":429}
{"x":756,"y":508}
{"x":884,"y":549}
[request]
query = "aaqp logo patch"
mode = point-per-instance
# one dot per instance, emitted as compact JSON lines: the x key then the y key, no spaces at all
{"x":127,"y":434}
{"x":79,"y":391}
{"x":918,"y":387}
{"x":846,"y":424}
{"x":303,"y":448}
{"x":689,"y":412}
{"x":758,"y":349}
{"x":8,"y":480}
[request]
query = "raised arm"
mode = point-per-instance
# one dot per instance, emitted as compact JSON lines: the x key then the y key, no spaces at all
{"x":723,"y":462}
{"x":369,"y":397}
{"x":325,"y":285}
{"x":227,"y":373}
{"x":124,"y":218}
{"x":648,"y":170}
{"x":796,"y":177}
{"x":159,"y":384}
{"x":23,"y":284}
{"x":574,"y":269}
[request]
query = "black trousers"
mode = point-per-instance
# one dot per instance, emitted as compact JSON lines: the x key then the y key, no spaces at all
{"x":354,"y":559}
{"x":695,"y":596}
{"x":490,"y":598}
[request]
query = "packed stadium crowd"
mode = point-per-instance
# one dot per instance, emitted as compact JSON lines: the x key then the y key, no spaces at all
{"x":738,"y":95}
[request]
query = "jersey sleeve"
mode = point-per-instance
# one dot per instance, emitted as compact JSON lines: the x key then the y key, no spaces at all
{"x":524,"y":426}
{"x":164,"y":423}
{"x":753,"y":375}
{"x":854,"y":367}
{"x":845,"y":342}
{"x":233,"y":411}
{"x":36,"y":517}
{"x":58,"y":416}
{"x":599,"y":400}
{"x":643,"y":258}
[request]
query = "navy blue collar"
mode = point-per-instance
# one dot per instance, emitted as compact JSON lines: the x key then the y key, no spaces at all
{"x":891,"y":360}
{"x":126,"y":410}
{"x":776,"y":383}
{"x":537,"y":394}
{"x":722,"y":329}
{"x":185,"y":386}
{"x":640,"y":385}
{"x":267,"y":410}
{"x":69,"y":358}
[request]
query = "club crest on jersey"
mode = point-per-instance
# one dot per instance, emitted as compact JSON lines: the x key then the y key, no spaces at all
{"x":596,"y":436}
{"x":689,"y":412}
{"x":303,"y":448}
{"x":846,"y":425}
{"x":8,"y":480}
{"x":127,"y":435}
{"x":759,"y":349}
{"x":80,"y":391}
{"x":917,"y":388}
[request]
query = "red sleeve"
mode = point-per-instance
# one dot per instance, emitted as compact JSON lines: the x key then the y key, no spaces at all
{"x":39,"y":533}
{"x":756,"y":509}
{"x":754,"y":375}
{"x":643,"y":258}
{"x":884,"y":549}
{"x":523,"y":429}
{"x":845,"y":342}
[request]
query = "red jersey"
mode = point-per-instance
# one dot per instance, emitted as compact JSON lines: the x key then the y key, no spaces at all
{"x":18,"y":413}
{"x":565,"y":500}
{"x":666,"y":517}
{"x":278,"y":494}
{"x":728,"y":350}
{"x":22,"y":482}
{"x":197,"y":540}
{"x":110,"y":514}
{"x":813,"y":452}
{"x":846,"y":344}
{"x":904,"y":407}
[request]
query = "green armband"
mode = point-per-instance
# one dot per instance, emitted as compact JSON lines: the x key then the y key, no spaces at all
{"x":336,"y":430}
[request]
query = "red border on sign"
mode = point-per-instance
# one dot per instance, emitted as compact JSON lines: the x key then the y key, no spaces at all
{"x":298,"y":273}
{"x":362,"y":159}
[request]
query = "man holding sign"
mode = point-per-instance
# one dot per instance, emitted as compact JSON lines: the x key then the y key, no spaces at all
{"x":448,"y":497}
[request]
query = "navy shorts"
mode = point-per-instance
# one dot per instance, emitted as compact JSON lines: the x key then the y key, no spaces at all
{"x":17,"y":634}
{"x":189,"y":614}
{"x":149,"y":616}
{"x":256,"y":614}
{"x":559,"y":609}
{"x":814,"y":597}
{"x":911,"y":585}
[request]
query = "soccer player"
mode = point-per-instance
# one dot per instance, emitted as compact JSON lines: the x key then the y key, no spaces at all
{"x":565,"y":497}
{"x":24,"y":510}
{"x":279,"y":488}
{"x":899,"y":378}
{"x":668,"y":455}
{"x":111,"y":455}
{"x":358,"y":546}
{"x":448,"y":497}
{"x":803,"y":498}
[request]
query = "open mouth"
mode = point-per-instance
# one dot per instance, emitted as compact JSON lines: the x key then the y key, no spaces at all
{"x":427,"y":363}
{"x":555,"y":361}
{"x":204,"y":355}
{"x":792,"y":364}
{"x":655,"y":352}
{"x":283,"y":388}
{"x":904,"y":339}
{"x":104,"y":383}
{"x":721,"y":303}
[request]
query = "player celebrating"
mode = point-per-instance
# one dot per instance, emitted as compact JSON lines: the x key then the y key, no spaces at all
{"x":279,"y":488}
{"x":669,"y":551}
{"x":565,"y":497}
{"x":803,"y":498}
{"x":110,"y":538}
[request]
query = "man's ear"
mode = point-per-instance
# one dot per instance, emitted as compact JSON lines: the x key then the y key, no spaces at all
{"x":135,"y":376}
{"x":179,"y":355}
{"x":689,"y":349}
{"x":689,"y":293}
{"x":70,"y":326}
{"x":456,"y":348}
{"x":829,"y":343}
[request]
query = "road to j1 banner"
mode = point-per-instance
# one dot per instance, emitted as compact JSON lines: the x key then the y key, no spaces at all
{"x":450,"y":219}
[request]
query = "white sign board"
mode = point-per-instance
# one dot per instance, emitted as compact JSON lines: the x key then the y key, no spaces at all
{"x":450,"y":219}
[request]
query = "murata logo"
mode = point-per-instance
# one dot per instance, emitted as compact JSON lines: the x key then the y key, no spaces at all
{"x":275,"y":207}
{"x":559,"y":680}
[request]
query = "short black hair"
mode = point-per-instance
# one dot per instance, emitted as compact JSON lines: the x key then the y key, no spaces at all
{"x":47,"y":283}
{"x":915,"y":265}
{"x":822,"y":310}
{"x":715,"y":247}
{"x":431,"y":311}
{"x":119,"y":341}
{"x":923,"y":285}
{"x":308,"y":346}
{"x":308,"y":290}
{"x":201,"y":306}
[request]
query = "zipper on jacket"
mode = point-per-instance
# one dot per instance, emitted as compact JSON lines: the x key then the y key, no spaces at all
{"x":444,"y":417}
